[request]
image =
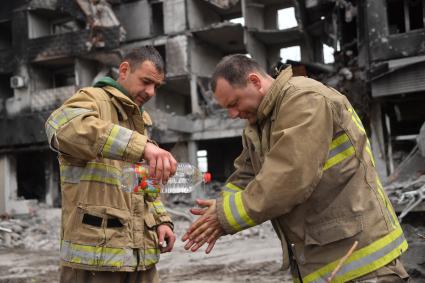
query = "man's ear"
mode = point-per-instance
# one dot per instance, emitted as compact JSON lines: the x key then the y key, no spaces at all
{"x":255,"y":80}
{"x":123,"y":69}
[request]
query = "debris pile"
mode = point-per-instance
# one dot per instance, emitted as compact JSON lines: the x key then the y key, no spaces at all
{"x":39,"y":231}
{"x":406,"y":186}
{"x":407,"y":195}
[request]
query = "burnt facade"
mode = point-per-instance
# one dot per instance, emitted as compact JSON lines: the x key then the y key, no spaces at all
{"x":50,"y":48}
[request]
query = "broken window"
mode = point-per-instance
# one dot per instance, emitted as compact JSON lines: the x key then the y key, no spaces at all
{"x":64,"y":26}
{"x":240,"y":20}
{"x":5,"y":35}
{"x":5,"y":90}
{"x":286,"y":18}
{"x":328,"y":54}
{"x":202,"y":158}
{"x":31,"y":175}
{"x":405,"y":15}
{"x":157,"y":18}
{"x":290,"y":53}
{"x":63,"y":77}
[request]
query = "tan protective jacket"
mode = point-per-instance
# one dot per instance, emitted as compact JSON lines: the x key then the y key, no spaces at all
{"x":309,"y":168}
{"x":104,"y":227}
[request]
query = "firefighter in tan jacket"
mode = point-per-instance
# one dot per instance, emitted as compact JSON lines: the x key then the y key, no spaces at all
{"x":109,"y":233}
{"x":307,"y":166}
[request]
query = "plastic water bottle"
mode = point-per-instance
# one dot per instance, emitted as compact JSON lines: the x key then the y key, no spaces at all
{"x":135,"y":178}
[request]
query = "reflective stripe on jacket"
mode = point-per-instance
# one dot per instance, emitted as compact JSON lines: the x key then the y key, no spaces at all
{"x":309,"y":168}
{"x":104,"y":226}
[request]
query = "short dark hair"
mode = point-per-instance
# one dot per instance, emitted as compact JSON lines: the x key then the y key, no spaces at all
{"x":145,"y":53}
{"x":234,"y":69}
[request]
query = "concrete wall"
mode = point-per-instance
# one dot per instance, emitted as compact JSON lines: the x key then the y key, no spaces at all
{"x":85,"y":72}
{"x":203,"y":58}
{"x":37,"y":26}
{"x":201,"y":14}
{"x":177,"y":60}
{"x":136,"y":19}
{"x":174,"y":16}
{"x":8,"y":182}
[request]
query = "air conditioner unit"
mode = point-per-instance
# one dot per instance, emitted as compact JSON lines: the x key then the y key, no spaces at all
{"x":17,"y":82}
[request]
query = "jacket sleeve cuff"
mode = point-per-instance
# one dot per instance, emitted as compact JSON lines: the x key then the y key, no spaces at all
{"x":228,"y":229}
{"x":164,"y":219}
{"x":136,"y":147}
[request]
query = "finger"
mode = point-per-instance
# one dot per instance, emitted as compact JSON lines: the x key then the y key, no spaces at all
{"x":198,"y":245}
{"x":166,"y":170}
{"x":204,"y":236}
{"x":173,"y":165}
{"x":188,"y":245}
{"x":199,"y":231}
{"x":171,"y":241}
{"x":152,"y":167}
{"x":214,"y":236}
{"x":210,"y":246}
{"x":158,"y":170}
{"x":185,"y":237}
{"x":201,"y":220}
{"x":161,"y":235}
{"x":170,"y":244}
{"x":204,"y":202}
{"x":197,"y":211}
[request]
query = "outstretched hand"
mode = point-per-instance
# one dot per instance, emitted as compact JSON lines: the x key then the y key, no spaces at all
{"x":206,"y":229}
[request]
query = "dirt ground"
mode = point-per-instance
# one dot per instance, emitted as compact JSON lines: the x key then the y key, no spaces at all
{"x":251,"y":256}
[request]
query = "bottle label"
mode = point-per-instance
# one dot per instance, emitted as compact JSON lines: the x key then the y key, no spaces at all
{"x":145,"y":185}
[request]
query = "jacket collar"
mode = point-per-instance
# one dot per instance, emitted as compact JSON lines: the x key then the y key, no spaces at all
{"x":269,"y":101}
{"x":116,"y":90}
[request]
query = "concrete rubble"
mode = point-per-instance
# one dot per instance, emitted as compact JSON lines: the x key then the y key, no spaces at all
{"x":39,"y":231}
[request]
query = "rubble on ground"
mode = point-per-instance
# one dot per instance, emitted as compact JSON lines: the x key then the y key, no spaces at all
{"x":38,"y":231}
{"x":406,"y":186}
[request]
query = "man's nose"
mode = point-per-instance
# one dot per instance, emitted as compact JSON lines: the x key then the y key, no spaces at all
{"x":150,"y":91}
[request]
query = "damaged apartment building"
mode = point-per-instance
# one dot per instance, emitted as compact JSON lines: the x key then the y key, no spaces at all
{"x":50,"y":48}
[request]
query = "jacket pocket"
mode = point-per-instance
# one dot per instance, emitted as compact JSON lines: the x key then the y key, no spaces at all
{"x":85,"y":225}
{"x":117,"y":231}
{"x":334,"y":230}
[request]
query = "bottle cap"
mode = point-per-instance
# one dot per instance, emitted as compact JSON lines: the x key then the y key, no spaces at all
{"x":207,"y":177}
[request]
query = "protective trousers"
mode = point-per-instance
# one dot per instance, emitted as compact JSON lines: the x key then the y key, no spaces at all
{"x":73,"y":275}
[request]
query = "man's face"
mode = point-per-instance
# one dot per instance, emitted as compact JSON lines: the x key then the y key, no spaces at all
{"x":240,"y":102}
{"x":142,"y":82}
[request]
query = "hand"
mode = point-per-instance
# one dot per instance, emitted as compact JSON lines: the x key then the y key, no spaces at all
{"x":162,"y":164}
{"x":165,"y":234}
{"x":206,"y":229}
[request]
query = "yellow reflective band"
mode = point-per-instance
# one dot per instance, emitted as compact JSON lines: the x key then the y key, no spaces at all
{"x":357,"y":120}
{"x":241,"y":210}
{"x":97,"y":255}
{"x":61,"y":117}
{"x":228,"y":213}
{"x":93,"y":171}
{"x":339,"y":158}
{"x":233,"y":187}
{"x":388,"y":205}
{"x":111,"y":138}
{"x":364,"y":260}
{"x":229,"y":188}
{"x":159,"y":207}
{"x":338,"y":141}
{"x":369,"y":152}
{"x":235,"y":212}
{"x":152,"y":251}
{"x":149,"y":256}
